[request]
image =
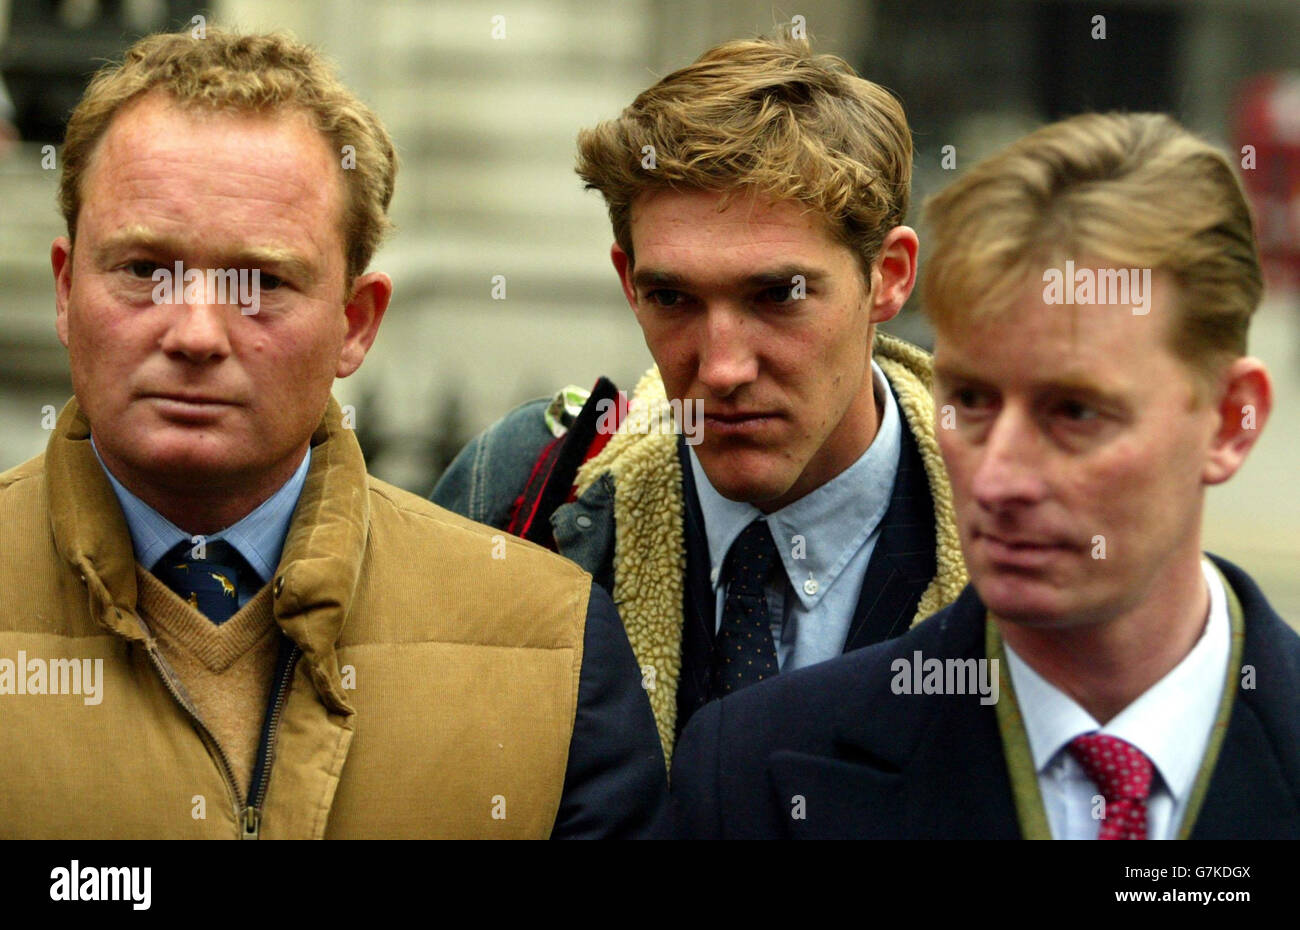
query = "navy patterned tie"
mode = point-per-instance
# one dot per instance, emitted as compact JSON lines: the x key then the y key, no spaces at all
{"x":210,"y":584}
{"x":745,"y":653}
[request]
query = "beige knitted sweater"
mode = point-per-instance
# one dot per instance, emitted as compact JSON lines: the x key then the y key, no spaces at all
{"x":225,"y":669}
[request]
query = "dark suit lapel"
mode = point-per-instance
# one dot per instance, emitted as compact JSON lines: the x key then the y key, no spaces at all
{"x":916,"y":766}
{"x":933,"y":766}
{"x":1249,"y":796}
{"x":831,"y":798}
{"x":1254,"y":792}
{"x":698,"y":611}
{"x":903,"y":562}
{"x":959,"y":786}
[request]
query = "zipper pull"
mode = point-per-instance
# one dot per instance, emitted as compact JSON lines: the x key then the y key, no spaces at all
{"x":252,"y":823}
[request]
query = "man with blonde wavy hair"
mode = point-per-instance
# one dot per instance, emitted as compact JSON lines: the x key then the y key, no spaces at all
{"x":772,"y":495}
{"x":1101,"y":678}
{"x":215,"y":623}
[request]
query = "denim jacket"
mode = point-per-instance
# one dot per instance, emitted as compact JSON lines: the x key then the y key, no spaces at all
{"x":487,"y":476}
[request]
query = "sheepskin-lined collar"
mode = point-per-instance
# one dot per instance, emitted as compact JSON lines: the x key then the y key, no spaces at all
{"x":649,"y":545}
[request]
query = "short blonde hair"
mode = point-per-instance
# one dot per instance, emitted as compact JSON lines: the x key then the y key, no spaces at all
{"x":1134,"y":190}
{"x":766,"y":116}
{"x":254,"y":73}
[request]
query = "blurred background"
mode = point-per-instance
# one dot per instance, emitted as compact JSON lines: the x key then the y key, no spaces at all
{"x":485,"y":99}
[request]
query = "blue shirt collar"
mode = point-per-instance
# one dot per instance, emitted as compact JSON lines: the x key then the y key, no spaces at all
{"x":259,"y":537}
{"x":817,"y":535}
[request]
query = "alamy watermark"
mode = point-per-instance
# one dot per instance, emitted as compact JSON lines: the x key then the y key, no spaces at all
{"x":678,"y":416}
{"x":218,"y":286}
{"x":1104,"y":286}
{"x":919,"y":675}
{"x":87,"y":883}
{"x":53,"y":676}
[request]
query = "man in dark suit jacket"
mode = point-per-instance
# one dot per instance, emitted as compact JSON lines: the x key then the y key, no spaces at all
{"x":1100,"y":678}
{"x":777,"y":422}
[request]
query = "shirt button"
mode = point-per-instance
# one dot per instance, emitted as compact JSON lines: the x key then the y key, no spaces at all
{"x":583,"y":521}
{"x":810,"y":587}
{"x":713,"y":576}
{"x":279,"y":585}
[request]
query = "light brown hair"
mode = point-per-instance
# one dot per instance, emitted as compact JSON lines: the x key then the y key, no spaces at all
{"x":252,"y":73}
{"x":764,"y":116}
{"x":1132,"y":190}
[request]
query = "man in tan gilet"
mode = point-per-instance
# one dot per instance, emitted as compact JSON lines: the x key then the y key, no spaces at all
{"x":214,"y":622}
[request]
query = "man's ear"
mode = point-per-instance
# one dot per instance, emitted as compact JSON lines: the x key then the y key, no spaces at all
{"x":893,"y":273}
{"x":61,"y":262}
{"x":364,"y":312}
{"x":1245,"y":401}
{"x":623,"y":265}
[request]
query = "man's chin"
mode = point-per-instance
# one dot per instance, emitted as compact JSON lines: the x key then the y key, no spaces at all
{"x":1019,"y":598}
{"x":747,"y":489}
{"x":744,"y":475}
{"x":180,"y":462}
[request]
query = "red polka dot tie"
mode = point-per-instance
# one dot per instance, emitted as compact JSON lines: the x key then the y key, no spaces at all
{"x":745,"y":652}
{"x":1122,"y":774}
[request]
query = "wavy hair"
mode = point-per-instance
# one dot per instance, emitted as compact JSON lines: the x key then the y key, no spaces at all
{"x":1134,"y":190}
{"x":768,"y":116}
{"x":253,"y":73}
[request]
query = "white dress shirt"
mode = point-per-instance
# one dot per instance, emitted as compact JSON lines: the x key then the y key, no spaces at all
{"x":1170,"y":722}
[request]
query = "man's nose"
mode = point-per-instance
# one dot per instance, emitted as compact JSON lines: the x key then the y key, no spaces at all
{"x":727,"y":357}
{"x":1010,"y":467}
{"x":199,"y":331}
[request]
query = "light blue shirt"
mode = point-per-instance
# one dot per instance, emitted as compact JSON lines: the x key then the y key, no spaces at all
{"x":259,"y":537}
{"x":1170,"y":722}
{"x":825,"y":540}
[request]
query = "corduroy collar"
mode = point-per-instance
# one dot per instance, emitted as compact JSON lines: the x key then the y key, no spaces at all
{"x":319,"y":567}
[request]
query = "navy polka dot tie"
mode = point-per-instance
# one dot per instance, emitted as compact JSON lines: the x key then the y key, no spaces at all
{"x":745,"y":653}
{"x":1122,"y":774}
{"x":211,"y":584}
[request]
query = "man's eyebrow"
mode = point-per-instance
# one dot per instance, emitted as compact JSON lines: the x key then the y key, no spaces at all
{"x":652,"y":277}
{"x":139,"y":237}
{"x":291,"y":263}
{"x":1080,"y":384}
{"x":1064,"y":383}
{"x":785,"y":275}
{"x":781,"y":275}
{"x":951,"y":371}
